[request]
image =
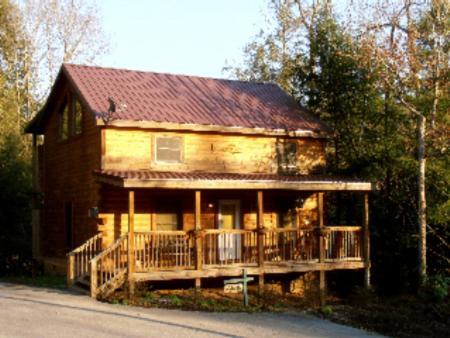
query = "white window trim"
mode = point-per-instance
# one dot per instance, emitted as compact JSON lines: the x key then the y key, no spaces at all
{"x":155,"y":150}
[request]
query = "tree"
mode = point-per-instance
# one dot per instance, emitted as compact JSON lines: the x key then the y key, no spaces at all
{"x":406,"y":40}
{"x":59,"y":31}
{"x":353,"y":71}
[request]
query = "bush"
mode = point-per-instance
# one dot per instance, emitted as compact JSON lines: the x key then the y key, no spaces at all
{"x":436,"y":288}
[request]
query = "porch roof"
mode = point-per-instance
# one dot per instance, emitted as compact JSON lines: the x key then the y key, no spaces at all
{"x":207,"y":180}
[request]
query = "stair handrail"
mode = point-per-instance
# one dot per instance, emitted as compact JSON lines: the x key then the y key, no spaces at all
{"x":108,"y":274}
{"x":78,"y":259}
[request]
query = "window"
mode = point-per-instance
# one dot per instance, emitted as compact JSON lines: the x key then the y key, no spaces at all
{"x":168,"y":149}
{"x":166,"y":221}
{"x":70,"y":118}
{"x":287,"y":156}
{"x":64,"y":122}
{"x":77,"y":117}
{"x":167,"y":215}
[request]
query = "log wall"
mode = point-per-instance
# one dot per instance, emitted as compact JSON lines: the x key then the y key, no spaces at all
{"x":67,"y":177}
{"x":207,"y":152}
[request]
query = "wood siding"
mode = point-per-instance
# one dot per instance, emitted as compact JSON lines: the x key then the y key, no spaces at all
{"x":207,"y":152}
{"x":114,"y":209}
{"x":67,"y":177}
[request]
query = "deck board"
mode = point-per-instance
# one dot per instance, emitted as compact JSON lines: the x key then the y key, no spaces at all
{"x":232,"y":271}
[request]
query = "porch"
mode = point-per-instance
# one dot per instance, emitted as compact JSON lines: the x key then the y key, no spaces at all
{"x":225,"y":249}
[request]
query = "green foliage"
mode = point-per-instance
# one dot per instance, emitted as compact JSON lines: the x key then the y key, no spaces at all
{"x":326,"y":310}
{"x":325,"y":67}
{"x":436,"y":288}
{"x":15,"y":201}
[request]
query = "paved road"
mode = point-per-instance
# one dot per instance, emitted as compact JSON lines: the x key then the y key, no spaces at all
{"x":37,"y":312}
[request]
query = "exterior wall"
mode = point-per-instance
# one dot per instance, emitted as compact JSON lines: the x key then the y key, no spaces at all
{"x":114,"y":209}
{"x":67,"y":177}
{"x":207,"y":152}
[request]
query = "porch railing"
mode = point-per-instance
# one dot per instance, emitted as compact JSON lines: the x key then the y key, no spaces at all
{"x":290,"y":245}
{"x":229,"y":247}
{"x":78,"y":259}
{"x":156,"y":250}
{"x":108,"y":269}
{"x":176,"y":250}
{"x":343,"y":243}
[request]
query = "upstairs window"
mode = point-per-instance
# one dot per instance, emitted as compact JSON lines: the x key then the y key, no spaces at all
{"x":287,"y":156}
{"x":168,"y":149}
{"x":77,"y":117}
{"x":64,"y":122}
{"x":70,"y":118}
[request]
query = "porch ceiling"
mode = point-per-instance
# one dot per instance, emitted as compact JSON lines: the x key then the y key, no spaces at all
{"x":201,"y":180}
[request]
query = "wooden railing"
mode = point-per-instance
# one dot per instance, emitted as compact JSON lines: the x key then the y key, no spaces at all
{"x":108,"y":269}
{"x":343,"y":243}
{"x":229,"y":246}
{"x":155,"y":250}
{"x":290,"y":244}
{"x":78,"y":259}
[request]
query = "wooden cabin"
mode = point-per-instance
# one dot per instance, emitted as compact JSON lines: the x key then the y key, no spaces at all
{"x":142,"y":176}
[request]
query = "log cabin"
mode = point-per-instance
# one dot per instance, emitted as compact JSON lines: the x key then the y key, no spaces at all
{"x":142,"y":176}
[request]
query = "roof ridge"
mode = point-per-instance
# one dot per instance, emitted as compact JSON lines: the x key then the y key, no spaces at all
{"x":170,"y":74}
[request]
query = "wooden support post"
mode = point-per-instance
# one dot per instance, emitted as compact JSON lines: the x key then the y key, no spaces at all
{"x":198,"y":237}
{"x":322,"y":277}
{"x":366,"y":242}
{"x":260,"y":226}
{"x":35,"y":216}
{"x":93,"y":276}
{"x":131,"y":253}
{"x":70,"y":270}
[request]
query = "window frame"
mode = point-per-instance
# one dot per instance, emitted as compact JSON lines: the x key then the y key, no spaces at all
{"x":155,"y":149}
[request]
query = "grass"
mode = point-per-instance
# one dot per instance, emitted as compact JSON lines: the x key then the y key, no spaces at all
{"x":43,"y":281}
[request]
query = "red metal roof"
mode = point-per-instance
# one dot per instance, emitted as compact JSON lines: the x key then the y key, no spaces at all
{"x":204,"y":180}
{"x":155,"y":97}
{"x":148,"y":175}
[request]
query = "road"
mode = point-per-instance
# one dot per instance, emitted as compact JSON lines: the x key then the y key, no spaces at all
{"x":38,"y":312}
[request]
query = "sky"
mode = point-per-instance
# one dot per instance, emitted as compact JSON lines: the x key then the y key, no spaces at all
{"x":192,"y":37}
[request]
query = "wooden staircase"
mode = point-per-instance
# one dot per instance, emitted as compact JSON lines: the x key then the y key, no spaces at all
{"x":95,"y":271}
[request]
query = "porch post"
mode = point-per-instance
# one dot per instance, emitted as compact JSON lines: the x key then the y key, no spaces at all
{"x":35,"y":216}
{"x":260,"y":226}
{"x":198,"y":237}
{"x":366,"y":241}
{"x":131,"y":253}
{"x":322,"y":280}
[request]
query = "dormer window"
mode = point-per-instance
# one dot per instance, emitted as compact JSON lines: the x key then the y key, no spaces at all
{"x":168,"y":149}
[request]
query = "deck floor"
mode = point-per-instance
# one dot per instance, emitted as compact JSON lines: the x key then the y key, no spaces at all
{"x":233,"y":270}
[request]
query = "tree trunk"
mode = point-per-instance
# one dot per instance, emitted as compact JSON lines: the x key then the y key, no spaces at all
{"x":421,"y":214}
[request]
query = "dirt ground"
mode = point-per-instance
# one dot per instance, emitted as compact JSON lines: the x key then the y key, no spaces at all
{"x":401,"y":316}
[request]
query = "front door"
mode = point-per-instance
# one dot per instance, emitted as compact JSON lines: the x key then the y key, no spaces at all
{"x":229,"y":219}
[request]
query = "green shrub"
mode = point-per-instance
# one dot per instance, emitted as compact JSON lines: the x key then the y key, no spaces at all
{"x":436,"y":288}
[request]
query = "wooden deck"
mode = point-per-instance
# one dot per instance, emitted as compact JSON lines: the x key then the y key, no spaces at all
{"x":173,"y":255}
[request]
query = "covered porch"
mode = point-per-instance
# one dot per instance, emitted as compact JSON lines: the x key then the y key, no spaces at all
{"x":267,"y":224}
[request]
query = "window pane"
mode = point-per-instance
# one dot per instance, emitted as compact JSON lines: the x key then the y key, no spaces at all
{"x":64,"y":123}
{"x":78,"y":114}
{"x":168,"y":149}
